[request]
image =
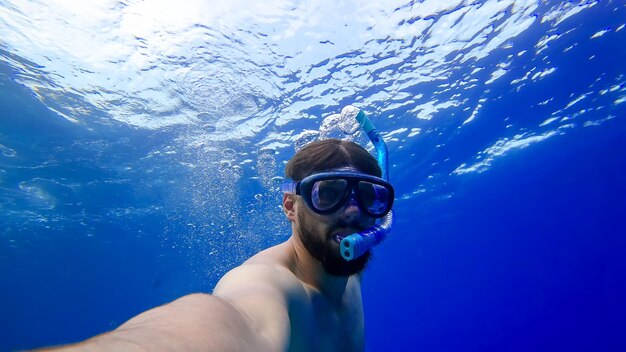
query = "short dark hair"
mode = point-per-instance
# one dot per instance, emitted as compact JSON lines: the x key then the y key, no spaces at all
{"x":330,"y":154}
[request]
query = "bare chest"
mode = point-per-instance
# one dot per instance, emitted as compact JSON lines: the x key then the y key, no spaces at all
{"x":321,"y":326}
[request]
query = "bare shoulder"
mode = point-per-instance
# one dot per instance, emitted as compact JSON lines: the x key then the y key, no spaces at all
{"x":256,"y":276}
{"x":263,"y":290}
{"x":267,"y":270}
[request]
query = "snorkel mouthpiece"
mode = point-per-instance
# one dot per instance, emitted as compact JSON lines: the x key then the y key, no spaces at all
{"x":357,"y":244}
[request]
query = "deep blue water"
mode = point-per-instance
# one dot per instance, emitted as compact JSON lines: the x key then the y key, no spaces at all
{"x":528,"y":258}
{"x":99,"y":221}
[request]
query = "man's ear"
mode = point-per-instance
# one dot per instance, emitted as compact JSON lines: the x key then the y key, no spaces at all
{"x":289,"y":206}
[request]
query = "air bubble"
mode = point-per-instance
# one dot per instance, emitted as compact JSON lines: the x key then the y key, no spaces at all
{"x":8,"y":152}
{"x":347,"y":120}
{"x":266,"y":166}
{"x":228,"y":153}
{"x":209,"y":128}
{"x":305,"y":138}
{"x":330,"y":127}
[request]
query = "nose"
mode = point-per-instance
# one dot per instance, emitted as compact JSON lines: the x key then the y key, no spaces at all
{"x":351,"y":211}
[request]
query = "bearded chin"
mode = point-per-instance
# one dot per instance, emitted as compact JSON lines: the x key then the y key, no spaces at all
{"x":333,"y":263}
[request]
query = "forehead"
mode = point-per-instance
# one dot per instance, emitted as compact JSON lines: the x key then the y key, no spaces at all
{"x":348,"y":169}
{"x":345,"y":168}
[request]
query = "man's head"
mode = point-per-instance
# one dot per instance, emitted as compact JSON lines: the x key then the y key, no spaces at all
{"x":318,"y":231}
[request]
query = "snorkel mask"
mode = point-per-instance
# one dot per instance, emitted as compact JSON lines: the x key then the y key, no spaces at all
{"x":326,"y":192}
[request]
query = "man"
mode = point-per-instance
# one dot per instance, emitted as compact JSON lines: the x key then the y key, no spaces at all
{"x":300,"y":295}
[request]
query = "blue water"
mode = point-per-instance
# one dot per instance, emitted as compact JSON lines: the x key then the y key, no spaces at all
{"x":135,"y":173}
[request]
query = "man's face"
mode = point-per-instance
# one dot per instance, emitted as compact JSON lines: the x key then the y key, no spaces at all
{"x":318,"y":232}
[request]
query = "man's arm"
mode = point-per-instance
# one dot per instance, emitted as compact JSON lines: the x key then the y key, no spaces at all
{"x":192,"y":323}
{"x":264,"y":294}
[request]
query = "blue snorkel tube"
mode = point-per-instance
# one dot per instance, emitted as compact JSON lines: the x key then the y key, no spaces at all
{"x":357,"y":244}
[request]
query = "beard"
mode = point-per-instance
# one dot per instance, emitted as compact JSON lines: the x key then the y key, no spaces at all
{"x":318,"y":246}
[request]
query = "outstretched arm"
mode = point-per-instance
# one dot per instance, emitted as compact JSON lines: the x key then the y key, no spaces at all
{"x":192,"y":323}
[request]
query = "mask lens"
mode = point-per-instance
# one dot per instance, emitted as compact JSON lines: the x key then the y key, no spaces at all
{"x":374,"y":197}
{"x":327,"y":193}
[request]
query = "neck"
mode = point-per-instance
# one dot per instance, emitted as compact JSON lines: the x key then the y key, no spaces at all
{"x":310,"y":271}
